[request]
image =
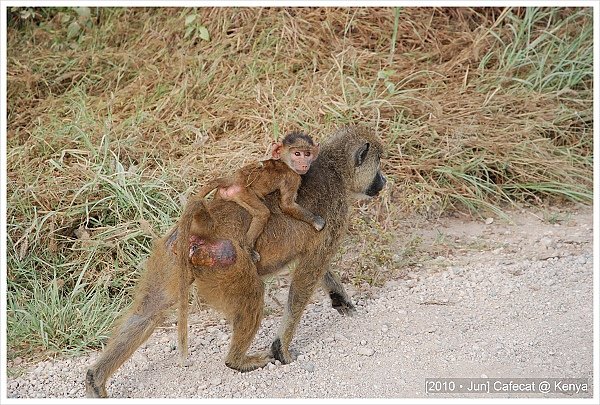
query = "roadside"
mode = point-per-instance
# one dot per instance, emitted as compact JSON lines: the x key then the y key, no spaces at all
{"x":503,"y":301}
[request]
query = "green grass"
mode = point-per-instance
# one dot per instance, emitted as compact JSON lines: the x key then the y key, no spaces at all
{"x":112,"y":124}
{"x":546,"y":49}
{"x":66,"y":286}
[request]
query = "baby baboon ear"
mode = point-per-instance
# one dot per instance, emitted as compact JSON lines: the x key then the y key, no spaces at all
{"x":361,"y":154}
{"x":276,"y":148}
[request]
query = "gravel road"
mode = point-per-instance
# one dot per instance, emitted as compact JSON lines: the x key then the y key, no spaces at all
{"x":519,"y":305}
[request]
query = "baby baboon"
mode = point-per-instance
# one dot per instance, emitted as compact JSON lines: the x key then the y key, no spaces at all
{"x":247,"y":187}
{"x":348,"y":167}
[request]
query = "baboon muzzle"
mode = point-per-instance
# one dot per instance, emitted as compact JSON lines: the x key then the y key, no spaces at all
{"x":377,"y":185}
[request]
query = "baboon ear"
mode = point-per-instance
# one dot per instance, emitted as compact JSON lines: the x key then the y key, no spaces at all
{"x":316,"y":149}
{"x":276,"y":150}
{"x":361,"y":154}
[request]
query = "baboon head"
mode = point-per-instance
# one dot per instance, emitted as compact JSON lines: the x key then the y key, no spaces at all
{"x":362,"y":160}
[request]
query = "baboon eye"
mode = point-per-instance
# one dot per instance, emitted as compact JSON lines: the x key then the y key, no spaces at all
{"x":361,"y":154}
{"x":307,"y":154}
{"x":297,"y":153}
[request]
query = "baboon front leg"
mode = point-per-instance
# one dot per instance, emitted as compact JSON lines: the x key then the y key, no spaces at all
{"x":304,"y":281}
{"x":290,"y":207}
{"x":340,"y":300}
{"x":155,"y":295}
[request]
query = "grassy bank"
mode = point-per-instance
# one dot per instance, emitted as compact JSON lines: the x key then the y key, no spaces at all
{"x":115,"y":114}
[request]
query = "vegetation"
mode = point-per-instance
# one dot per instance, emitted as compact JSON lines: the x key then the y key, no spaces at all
{"x":116,"y":114}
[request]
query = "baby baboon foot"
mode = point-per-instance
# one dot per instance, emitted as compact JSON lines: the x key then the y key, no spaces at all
{"x":319,"y":223}
{"x":254,"y":255}
{"x":92,"y":390}
{"x":343,"y":306}
{"x":279,"y":353}
{"x":250,"y":363}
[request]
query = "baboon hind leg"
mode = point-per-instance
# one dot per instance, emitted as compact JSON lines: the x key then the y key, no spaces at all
{"x":235,"y":289}
{"x":244,"y":331}
{"x":340,"y":300}
{"x":304,"y":281}
{"x":156,"y":293}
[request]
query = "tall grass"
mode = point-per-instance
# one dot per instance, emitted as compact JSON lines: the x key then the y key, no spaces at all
{"x":115,"y":114}
{"x":73,"y":265}
{"x":545,"y":49}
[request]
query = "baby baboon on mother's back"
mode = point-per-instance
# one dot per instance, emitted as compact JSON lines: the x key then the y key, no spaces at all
{"x":348,"y":167}
{"x":247,"y":187}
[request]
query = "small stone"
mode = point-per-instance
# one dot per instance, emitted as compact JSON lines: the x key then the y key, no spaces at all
{"x":216,"y":381}
{"x":308,"y":366}
{"x":363,"y":342}
{"x":385,"y":328}
{"x":271,"y":366}
{"x":365,"y":351}
{"x":489,"y":221}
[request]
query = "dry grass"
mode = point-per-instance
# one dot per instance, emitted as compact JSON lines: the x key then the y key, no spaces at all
{"x":111,"y":124}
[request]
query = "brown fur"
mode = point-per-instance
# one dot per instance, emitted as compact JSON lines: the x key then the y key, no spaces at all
{"x":246,"y":187}
{"x":347,"y":167}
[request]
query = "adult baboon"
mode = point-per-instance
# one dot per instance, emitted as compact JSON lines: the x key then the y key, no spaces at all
{"x":348,"y":167}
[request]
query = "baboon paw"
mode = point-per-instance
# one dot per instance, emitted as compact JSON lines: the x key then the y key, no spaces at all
{"x":254,"y":255}
{"x":92,"y":390}
{"x":342,"y":304}
{"x":345,"y":309}
{"x":250,"y":363}
{"x":319,"y":223}
{"x":279,"y":353}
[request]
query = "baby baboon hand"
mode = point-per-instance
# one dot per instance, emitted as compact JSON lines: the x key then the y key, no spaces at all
{"x":319,"y":223}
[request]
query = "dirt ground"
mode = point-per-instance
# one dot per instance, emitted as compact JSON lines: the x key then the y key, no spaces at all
{"x":500,"y":299}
